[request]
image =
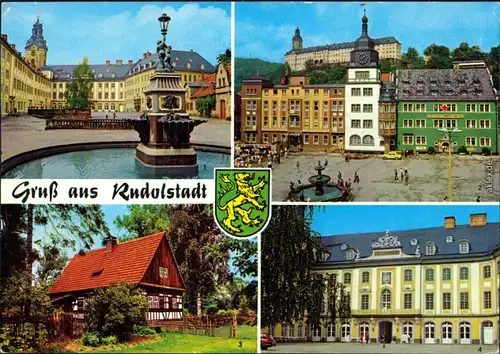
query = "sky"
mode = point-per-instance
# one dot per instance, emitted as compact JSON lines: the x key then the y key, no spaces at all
{"x":118,"y":30}
{"x":265,"y":30}
{"x":350,"y":219}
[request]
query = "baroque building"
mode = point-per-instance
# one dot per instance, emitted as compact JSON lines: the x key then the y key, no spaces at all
{"x":438,"y":285}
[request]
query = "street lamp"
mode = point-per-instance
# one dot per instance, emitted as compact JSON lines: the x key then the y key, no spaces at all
{"x":450,"y":142}
{"x":164,"y":20}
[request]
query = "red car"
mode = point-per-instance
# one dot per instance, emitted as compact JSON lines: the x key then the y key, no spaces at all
{"x":266,"y":341}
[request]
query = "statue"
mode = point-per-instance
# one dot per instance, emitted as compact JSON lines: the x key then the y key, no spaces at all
{"x":149,"y":102}
{"x":168,"y":58}
{"x":169,"y":102}
{"x":164,"y":51}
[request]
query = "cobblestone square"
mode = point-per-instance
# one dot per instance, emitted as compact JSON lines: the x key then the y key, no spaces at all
{"x":428,"y":177}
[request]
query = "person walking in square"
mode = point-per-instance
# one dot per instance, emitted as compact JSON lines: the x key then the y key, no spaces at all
{"x":406,"y":170}
{"x":326,"y":162}
{"x":407,"y":177}
{"x":395,"y":174}
{"x":402,"y":174}
{"x":298,"y":167}
{"x":356,"y":177}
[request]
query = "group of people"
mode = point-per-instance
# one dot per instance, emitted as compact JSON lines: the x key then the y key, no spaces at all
{"x":255,"y":157}
{"x":347,"y":184}
{"x":403,"y":172}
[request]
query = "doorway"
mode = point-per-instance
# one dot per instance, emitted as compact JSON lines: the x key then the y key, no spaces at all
{"x":430,"y":333}
{"x":385,"y":332}
{"x":346,"y":333}
{"x":223,"y":109}
{"x":487,"y":332}
{"x":447,"y":333}
{"x":330,"y":333}
{"x":364,"y":332}
{"x":465,"y":333}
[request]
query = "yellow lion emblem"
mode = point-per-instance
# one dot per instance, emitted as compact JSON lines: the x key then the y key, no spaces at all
{"x":246,"y":193}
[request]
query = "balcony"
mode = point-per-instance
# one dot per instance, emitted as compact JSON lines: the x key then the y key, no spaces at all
{"x":387,"y":132}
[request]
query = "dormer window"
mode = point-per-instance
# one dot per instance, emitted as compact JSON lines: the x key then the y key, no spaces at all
{"x":350,"y":254}
{"x":174,"y":64}
{"x":430,"y":249}
{"x":188,"y":65}
{"x":449,"y":239}
{"x":433,"y":83}
{"x":202,"y":67}
{"x":113,"y":75}
{"x":464,"y":247}
{"x":100,"y":75}
{"x":163,"y":272}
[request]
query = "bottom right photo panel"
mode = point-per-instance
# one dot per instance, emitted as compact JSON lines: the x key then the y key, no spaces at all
{"x":381,"y":279}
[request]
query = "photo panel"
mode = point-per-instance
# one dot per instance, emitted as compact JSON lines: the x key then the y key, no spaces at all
{"x":366,"y":102}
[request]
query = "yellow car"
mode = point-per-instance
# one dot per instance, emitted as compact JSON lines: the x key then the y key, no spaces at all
{"x":393,"y":155}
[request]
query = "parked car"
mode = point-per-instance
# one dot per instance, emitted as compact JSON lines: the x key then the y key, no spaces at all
{"x":266,"y":341}
{"x":393,"y":155}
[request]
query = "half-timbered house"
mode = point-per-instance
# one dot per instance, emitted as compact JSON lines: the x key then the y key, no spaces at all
{"x":147,"y":262}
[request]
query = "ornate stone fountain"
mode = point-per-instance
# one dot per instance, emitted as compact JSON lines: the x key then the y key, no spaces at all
{"x":319,"y":180}
{"x":165,"y":128}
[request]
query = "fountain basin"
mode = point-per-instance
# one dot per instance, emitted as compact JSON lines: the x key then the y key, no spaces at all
{"x":112,"y":160}
{"x":332,"y":193}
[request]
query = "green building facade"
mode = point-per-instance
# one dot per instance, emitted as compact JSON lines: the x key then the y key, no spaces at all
{"x":433,"y":99}
{"x":418,"y":125}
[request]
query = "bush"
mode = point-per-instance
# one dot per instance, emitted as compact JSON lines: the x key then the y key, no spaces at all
{"x":109,"y":340}
{"x":144,"y":330}
{"x":431,"y":150}
{"x":486,"y":150}
{"x":462,"y":150}
{"x":125,"y":336}
{"x":53,"y":348}
{"x":91,"y":339}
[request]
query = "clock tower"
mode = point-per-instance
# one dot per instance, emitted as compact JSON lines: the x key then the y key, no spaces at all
{"x":362,"y":92}
{"x":36,"y":47}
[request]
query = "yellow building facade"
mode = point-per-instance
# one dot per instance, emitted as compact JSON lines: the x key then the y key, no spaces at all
{"x":305,"y":117}
{"x":430,"y":286}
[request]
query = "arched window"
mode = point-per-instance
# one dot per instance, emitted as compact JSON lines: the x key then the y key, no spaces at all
{"x":446,"y":274}
{"x":112,"y":106}
{"x":429,"y":274}
{"x":464,"y":247}
{"x":355,"y":140}
{"x":350,"y":254}
{"x":385,"y":299}
{"x":347,"y":278}
{"x":464,"y":273}
{"x":430,"y":249}
{"x":368,"y":140}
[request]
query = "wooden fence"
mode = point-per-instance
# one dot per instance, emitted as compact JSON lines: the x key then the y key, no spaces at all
{"x":108,"y":124}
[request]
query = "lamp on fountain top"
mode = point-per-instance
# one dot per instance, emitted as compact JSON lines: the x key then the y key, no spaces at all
{"x":164,"y":51}
{"x":164,"y":20}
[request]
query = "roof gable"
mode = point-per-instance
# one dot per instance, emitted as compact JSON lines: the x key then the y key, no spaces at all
{"x":126,"y":263}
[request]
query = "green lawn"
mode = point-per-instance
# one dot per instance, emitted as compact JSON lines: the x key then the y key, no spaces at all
{"x":244,"y":332}
{"x":186,"y":343}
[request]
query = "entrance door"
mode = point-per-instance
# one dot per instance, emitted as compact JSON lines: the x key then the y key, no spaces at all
{"x":487,"y":332}
{"x":364,"y":332}
{"x":330,"y":335}
{"x":447,"y":333}
{"x":465,"y":337}
{"x":429,"y":333}
{"x":121,"y":108}
{"x":223,"y":109}
{"x":346,"y":333}
{"x":317,"y":334}
{"x":385,"y":332}
{"x":407,"y":332}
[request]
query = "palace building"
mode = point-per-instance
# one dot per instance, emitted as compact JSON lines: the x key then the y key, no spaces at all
{"x":438,"y":285}
{"x":337,"y":53}
{"x":462,"y":98}
{"x":29,"y":81}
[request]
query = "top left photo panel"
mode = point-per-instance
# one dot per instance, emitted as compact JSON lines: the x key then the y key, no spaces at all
{"x":115,"y":90}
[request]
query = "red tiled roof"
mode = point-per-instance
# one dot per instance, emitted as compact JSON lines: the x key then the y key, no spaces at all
{"x":204,"y":91}
{"x":127,"y":263}
{"x":208,"y":80}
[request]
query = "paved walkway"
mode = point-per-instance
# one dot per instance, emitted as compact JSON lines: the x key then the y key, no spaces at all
{"x":378,"y":348}
{"x":26,"y":133}
{"x":428,"y":179}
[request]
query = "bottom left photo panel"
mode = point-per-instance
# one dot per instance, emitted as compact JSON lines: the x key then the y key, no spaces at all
{"x":124,"y":278}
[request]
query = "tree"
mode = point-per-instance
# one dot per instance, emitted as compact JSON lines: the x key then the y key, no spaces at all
{"x":12,"y":244}
{"x":78,"y":94}
{"x":438,"y":57}
{"x":143,"y":220}
{"x":244,"y":68}
{"x":205,"y":105}
{"x":385,"y":66}
{"x":51,"y":263}
{"x":224,"y":58}
{"x":493,"y":60}
{"x":465,"y":53}
{"x":289,"y":252}
{"x":116,"y":309}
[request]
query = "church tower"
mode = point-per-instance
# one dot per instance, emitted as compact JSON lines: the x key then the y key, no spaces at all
{"x":36,"y":47}
{"x":297,"y":40}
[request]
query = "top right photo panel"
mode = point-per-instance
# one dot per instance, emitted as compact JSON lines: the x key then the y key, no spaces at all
{"x":369,"y":102}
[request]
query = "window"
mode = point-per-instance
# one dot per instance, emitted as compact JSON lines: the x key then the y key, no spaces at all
{"x":356,"y":108}
{"x":487,"y":299}
{"x":420,"y":140}
{"x":420,"y":107}
{"x":347,"y":278}
{"x":407,"y":123}
{"x":486,"y":272}
{"x":386,"y":278}
{"x":355,"y":92}
{"x":368,"y":140}
{"x":367,"y":91}
{"x":470,"y":107}
{"x":485,"y":142}
{"x":365,"y":302}
{"x":153,"y":302}
{"x":350,"y":254}
{"x":470,"y":123}
{"x":408,"y":139}
{"x":484,"y":123}
{"x":325,"y":122}
{"x":283,"y":122}
{"x":464,"y":301}
{"x":464,"y":273}
{"x":362,"y":75}
{"x":367,"y":108}
{"x":464,"y":247}
{"x":484,"y":108}
{"x":470,"y":141}
{"x":451,"y":123}
{"x":430,"y":249}
{"x":429,"y":301}
{"x":368,"y":124}
{"x":407,"y":301}
{"x":365,"y":277}
{"x":325,"y":139}
{"x":446,"y":274}
{"x":407,"y":107}
{"x":275,"y":122}
{"x":341,"y":106}
{"x":316,"y":140}
{"x":265,"y":138}
{"x":355,"y":140}
{"x":446,"y":301}
{"x":356,"y":123}
{"x":385,"y":299}
{"x":408,"y":275}
{"x":306,"y":139}
{"x":429,"y":274}
{"x":265,"y":121}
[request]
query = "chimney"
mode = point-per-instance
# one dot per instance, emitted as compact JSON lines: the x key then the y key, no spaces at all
{"x":5,"y":37}
{"x":130,"y":61}
{"x":108,"y":62}
{"x":148,"y":53}
{"x":477,"y":219}
{"x":110,"y":244}
{"x":13,"y":46}
{"x":119,"y":62}
{"x":144,"y":55}
{"x":450,"y":222}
